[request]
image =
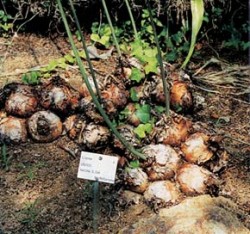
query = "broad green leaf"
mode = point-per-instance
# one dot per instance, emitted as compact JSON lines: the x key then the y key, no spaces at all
{"x":46,"y":75}
{"x":104,"y":40}
{"x":246,"y":45}
{"x":52,"y":65}
{"x":136,"y":75}
{"x":151,"y":65}
{"x":143,"y":113}
{"x":107,"y":31}
{"x":149,"y":29}
{"x":95,"y":37}
{"x":62,"y":65}
{"x":160,"y":109}
{"x":197,"y":9}
{"x":124,"y":48}
{"x":69,"y":58}
{"x":142,"y":129}
{"x":134,"y":164}
{"x":150,"y":52}
{"x":171,"y":56}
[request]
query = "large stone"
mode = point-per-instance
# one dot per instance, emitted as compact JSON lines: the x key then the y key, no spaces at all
{"x":202,"y":214}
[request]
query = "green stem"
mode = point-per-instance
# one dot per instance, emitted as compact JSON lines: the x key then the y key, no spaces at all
{"x":128,"y":146}
{"x":85,"y":49}
{"x":163,"y":75}
{"x":132,"y":19}
{"x":112,"y":28}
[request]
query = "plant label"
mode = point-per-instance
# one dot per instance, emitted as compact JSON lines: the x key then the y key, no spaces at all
{"x":97,"y":167}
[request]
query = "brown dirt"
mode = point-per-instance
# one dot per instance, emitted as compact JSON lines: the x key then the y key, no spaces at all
{"x":40,"y":192}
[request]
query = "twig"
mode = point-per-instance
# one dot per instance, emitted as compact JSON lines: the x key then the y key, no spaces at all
{"x":68,"y":150}
{"x":238,"y":140}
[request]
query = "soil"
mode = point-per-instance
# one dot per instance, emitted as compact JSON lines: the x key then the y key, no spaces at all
{"x":40,"y":191}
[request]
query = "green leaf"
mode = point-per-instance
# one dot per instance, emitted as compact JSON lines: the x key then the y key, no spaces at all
{"x":143,"y":113}
{"x":133,"y":95}
{"x":104,"y":40}
{"x":32,"y":78}
{"x":149,"y":29}
{"x":136,"y":75}
{"x":95,"y":37}
{"x":197,"y":9}
{"x":124,"y":114}
{"x":52,"y":65}
{"x":142,"y":129}
{"x":160,"y":109}
{"x":150,"y":52}
{"x":245,"y":45}
{"x":46,"y":75}
{"x":69,"y":58}
{"x":151,"y":65}
{"x":134,"y":164}
{"x":171,"y":56}
{"x":82,"y":54}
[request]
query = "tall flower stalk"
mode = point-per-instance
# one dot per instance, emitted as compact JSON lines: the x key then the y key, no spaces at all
{"x":85,"y":49}
{"x":132,"y":19}
{"x":127,"y":145}
{"x":160,"y":60}
{"x":112,"y":28}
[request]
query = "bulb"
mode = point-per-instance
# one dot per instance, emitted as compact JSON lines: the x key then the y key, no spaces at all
{"x":136,"y":179}
{"x":194,"y":179}
{"x":74,"y":126}
{"x":113,"y":98}
{"x":88,"y":108}
{"x":195,"y":148}
{"x":172,"y":130}
{"x":58,"y":96}
{"x":95,"y":136}
{"x":180,"y":97}
{"x":127,"y":131}
{"x":12,"y":130}
{"x":161,"y":192}
{"x":44,"y":126}
{"x":22,"y":102}
{"x":162,"y":161}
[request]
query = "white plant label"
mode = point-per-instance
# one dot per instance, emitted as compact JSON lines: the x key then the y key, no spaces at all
{"x":97,"y":167}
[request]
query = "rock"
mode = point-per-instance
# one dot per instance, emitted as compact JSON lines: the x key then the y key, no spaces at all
{"x":202,"y":214}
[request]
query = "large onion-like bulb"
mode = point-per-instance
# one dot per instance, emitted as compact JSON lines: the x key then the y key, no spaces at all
{"x":12,"y":130}
{"x":162,"y":161}
{"x":161,"y":192}
{"x":195,"y":148}
{"x":58,"y":96}
{"x":22,"y":101}
{"x":74,"y":126}
{"x":127,"y":132}
{"x":194,"y":179}
{"x":44,"y":126}
{"x":114,"y":98}
{"x":180,"y":97}
{"x":172,"y":130}
{"x":87,"y":106}
{"x":137,"y":180}
{"x":95,"y":136}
